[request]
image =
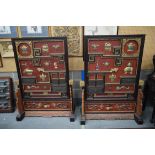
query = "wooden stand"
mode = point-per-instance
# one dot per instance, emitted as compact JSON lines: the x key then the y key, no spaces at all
{"x":114,"y":116}
{"x":45,"y":113}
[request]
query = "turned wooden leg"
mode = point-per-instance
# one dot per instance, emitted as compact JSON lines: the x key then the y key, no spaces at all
{"x":20,"y":107}
{"x":138,"y":114}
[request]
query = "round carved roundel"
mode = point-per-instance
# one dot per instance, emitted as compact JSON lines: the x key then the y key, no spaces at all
{"x":131,"y":47}
{"x":24,"y":49}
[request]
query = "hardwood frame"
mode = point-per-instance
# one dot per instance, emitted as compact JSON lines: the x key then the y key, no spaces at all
{"x":137,"y":95}
{"x":19,"y":94}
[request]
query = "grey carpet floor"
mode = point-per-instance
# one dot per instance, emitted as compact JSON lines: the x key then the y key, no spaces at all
{"x":8,"y":121}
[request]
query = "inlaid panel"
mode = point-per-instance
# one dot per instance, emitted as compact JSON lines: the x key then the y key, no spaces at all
{"x":37,"y":105}
{"x":112,"y":66}
{"x":42,"y":67}
{"x":110,"y":107}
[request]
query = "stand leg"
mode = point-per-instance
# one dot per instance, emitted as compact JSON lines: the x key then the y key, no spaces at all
{"x":20,"y":117}
{"x":83,"y":120}
{"x":138,"y":119}
{"x":72,"y":118}
{"x":138,"y":114}
{"x":20,"y":107}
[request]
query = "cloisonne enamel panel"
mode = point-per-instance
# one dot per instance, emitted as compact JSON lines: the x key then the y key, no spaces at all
{"x":42,"y":68}
{"x":112,"y":67}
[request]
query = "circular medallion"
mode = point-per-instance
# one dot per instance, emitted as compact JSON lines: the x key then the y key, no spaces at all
{"x":24,"y":50}
{"x":131,"y":47}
